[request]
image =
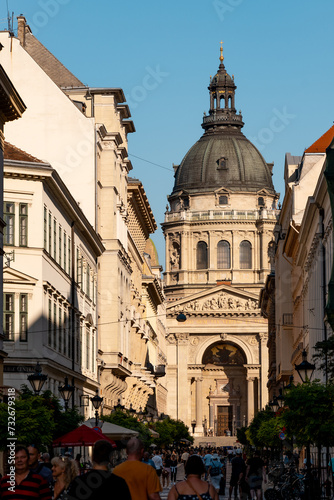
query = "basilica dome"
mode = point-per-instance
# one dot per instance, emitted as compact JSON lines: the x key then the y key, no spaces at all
{"x":223,"y":156}
{"x":224,"y":159}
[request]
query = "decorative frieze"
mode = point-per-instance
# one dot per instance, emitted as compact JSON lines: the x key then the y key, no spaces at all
{"x":220,"y":304}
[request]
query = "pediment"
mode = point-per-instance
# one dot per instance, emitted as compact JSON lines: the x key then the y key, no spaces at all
{"x":223,"y":190}
{"x":222,"y":300}
{"x":13,"y":276}
{"x":263,"y":192}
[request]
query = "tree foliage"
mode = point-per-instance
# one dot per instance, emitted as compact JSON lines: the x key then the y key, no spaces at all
{"x":38,"y":419}
{"x":171,"y":431}
{"x":124,"y":419}
{"x":324,"y":356}
{"x":309,"y":413}
{"x":252,"y":433}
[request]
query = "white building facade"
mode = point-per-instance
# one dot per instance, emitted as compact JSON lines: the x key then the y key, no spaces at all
{"x":50,"y":280}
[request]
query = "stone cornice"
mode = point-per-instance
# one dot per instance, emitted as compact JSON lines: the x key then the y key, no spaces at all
{"x":11,"y":104}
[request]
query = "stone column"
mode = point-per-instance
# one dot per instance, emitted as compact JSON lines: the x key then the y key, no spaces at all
{"x":212,"y":263}
{"x":250,"y":398}
{"x":199,"y":407}
{"x":183,"y":397}
{"x":211,"y":416}
{"x":264,"y":367}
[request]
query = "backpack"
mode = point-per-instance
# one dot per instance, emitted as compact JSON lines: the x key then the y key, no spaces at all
{"x":215,"y":469}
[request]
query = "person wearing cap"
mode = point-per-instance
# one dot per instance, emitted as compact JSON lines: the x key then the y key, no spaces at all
{"x":238,"y":472}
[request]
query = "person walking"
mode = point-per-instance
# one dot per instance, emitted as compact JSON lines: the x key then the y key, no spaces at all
{"x":255,"y":474}
{"x":193,"y":486}
{"x":38,"y":467}
{"x":157,"y":462}
{"x":24,"y":483}
{"x":215,"y":471}
{"x":173,"y":468}
{"x":238,"y":473}
{"x":141,"y":478}
{"x":99,"y":483}
{"x":64,"y":471}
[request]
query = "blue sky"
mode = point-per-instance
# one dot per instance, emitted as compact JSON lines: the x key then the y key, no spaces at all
{"x":163,"y":53}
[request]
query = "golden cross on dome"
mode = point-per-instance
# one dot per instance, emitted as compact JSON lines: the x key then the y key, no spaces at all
{"x":221,"y":52}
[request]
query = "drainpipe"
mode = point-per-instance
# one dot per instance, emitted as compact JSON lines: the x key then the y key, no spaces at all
{"x":323,"y":255}
{"x":72,"y":306}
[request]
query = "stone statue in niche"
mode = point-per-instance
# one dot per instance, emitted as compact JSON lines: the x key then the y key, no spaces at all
{"x":175,"y":256}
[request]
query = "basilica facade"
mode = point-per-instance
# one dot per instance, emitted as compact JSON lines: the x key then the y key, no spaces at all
{"x":218,"y":229}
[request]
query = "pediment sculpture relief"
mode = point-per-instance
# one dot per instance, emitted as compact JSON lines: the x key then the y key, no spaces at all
{"x":223,"y":301}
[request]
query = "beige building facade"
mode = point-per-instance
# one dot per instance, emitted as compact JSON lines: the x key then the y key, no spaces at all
{"x":50,"y":281}
{"x":82,"y":131}
{"x":297,"y":293}
{"x":218,"y":233}
{"x":11,"y":108}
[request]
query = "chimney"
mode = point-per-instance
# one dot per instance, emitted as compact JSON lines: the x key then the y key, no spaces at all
{"x":21,"y":29}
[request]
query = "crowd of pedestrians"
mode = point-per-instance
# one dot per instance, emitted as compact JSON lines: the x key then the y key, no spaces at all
{"x":142,"y":476}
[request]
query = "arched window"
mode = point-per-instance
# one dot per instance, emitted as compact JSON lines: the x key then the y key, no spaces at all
{"x":245,"y":255}
{"x":202,"y":255}
{"x":260,"y":201}
{"x":223,"y":255}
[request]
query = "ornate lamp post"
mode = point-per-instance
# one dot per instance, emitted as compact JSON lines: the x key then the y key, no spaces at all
{"x":66,"y":392}
{"x":274,"y":404}
{"x":37,"y":379}
{"x":96,"y":402}
{"x":305,"y":370}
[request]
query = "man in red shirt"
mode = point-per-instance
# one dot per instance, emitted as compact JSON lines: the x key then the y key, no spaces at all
{"x":21,"y":483}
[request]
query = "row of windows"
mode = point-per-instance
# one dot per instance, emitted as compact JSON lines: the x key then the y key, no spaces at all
{"x":223,"y":200}
{"x":58,"y":244}
{"x":9,"y":316}
{"x":9,"y":214}
{"x":224,"y":255}
{"x":60,"y":335}
{"x":59,"y":329}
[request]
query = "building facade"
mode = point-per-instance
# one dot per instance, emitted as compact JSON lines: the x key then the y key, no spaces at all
{"x":218,"y":234}
{"x":297,"y":292}
{"x":82,"y":131}
{"x":50,"y":284}
{"x":11,"y":108}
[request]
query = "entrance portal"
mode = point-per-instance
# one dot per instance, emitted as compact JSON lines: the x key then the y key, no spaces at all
{"x":224,"y":420}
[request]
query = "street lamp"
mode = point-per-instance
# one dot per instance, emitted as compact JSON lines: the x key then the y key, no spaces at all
{"x":274,"y":404}
{"x":280,"y":398}
{"x":37,"y":379}
{"x":66,"y":392}
{"x":305,"y":369}
{"x":181,"y":318}
{"x":96,"y":402}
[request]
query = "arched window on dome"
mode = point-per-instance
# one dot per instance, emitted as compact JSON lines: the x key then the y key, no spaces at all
{"x":260,"y":201}
{"x":223,"y":255}
{"x":245,"y":255}
{"x":202,"y":255}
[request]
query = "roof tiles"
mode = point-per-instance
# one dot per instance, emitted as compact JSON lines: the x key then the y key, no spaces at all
{"x":320,"y":145}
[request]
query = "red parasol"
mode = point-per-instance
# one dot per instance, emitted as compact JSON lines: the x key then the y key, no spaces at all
{"x":82,"y":436}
